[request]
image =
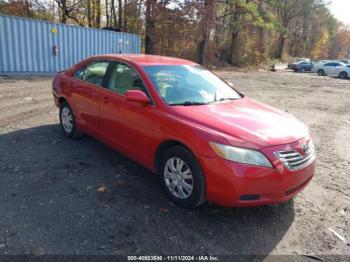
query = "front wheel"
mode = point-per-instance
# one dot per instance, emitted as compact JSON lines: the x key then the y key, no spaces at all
{"x":321,"y":72}
{"x":67,"y":121}
{"x":182,"y":177}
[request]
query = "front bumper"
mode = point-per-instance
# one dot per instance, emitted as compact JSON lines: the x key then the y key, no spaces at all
{"x":234,"y":184}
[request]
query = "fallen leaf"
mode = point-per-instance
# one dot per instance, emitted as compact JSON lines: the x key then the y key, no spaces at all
{"x":102,"y":189}
{"x":343,"y":239}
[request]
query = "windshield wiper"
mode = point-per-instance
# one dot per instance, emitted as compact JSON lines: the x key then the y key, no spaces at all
{"x":223,"y":99}
{"x":227,"y":98}
{"x":189,"y":103}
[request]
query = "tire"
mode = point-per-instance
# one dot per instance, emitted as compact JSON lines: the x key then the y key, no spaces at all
{"x":302,"y":70}
{"x":321,"y":72}
{"x":343,"y":75}
{"x":173,"y":179}
{"x":67,"y":121}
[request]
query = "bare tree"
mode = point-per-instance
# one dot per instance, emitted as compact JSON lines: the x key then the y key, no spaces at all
{"x":207,"y":11}
{"x":149,"y":26}
{"x":120,"y":14}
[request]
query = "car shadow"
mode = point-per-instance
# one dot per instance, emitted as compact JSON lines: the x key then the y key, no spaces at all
{"x":337,"y":77}
{"x":63,"y":196}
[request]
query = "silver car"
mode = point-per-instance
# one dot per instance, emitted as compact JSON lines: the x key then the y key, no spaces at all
{"x":343,"y":72}
{"x":328,"y":69}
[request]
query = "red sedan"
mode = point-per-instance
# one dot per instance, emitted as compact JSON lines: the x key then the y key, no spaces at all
{"x":205,"y":139}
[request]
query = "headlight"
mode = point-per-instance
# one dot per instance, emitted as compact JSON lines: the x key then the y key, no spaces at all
{"x":241,"y":155}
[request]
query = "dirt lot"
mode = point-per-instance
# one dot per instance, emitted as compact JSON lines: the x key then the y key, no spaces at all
{"x":50,"y":204}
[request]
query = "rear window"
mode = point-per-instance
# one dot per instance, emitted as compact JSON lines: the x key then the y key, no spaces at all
{"x":93,"y":73}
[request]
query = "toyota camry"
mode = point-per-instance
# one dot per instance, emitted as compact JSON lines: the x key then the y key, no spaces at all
{"x":206,"y":140}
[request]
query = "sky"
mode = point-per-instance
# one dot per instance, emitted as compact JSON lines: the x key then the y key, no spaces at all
{"x":341,"y":10}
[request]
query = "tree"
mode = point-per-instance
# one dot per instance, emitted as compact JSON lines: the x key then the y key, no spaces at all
{"x":207,"y":22}
{"x":285,"y":11}
{"x":341,"y":42}
{"x":149,"y":26}
{"x":237,"y":32}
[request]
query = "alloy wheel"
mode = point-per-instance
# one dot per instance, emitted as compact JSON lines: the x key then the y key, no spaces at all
{"x":343,"y":75}
{"x":67,"y":120}
{"x":178,"y":178}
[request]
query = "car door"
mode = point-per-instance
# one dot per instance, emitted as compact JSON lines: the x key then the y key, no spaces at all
{"x":127,"y":126}
{"x":338,"y":68}
{"x":86,"y":94}
{"x":304,"y":65}
{"x":328,"y":68}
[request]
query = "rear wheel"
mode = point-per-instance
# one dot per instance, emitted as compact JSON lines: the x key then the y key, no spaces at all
{"x":343,"y":75}
{"x":182,"y":177}
{"x":321,"y":72}
{"x":67,"y":121}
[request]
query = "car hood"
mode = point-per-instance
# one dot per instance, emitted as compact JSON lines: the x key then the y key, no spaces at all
{"x":246,"y":121}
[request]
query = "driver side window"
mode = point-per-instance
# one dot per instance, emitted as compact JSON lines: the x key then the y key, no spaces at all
{"x":124,"y":78}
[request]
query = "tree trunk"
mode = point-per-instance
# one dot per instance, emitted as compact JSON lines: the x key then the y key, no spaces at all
{"x":89,"y":14}
{"x":125,"y":27}
{"x":338,"y":52}
{"x":207,"y":23}
{"x":149,"y":30}
{"x":232,"y":54}
{"x":120,"y":14}
{"x":261,"y":31}
{"x":280,"y":49}
{"x":64,"y":11}
{"x":113,"y":13}
{"x":107,"y":13}
{"x":98,"y":14}
{"x":202,"y":48}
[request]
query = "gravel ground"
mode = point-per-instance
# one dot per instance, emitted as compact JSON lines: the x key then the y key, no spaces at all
{"x":49,"y":185}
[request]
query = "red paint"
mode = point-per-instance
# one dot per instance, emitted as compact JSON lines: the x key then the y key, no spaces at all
{"x":136,"y":96}
{"x":137,"y":129}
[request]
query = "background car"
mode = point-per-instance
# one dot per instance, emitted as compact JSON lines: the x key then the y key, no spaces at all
{"x":346,"y":61}
{"x":343,"y":72}
{"x":302,"y":66}
{"x":297,"y":61}
{"x":328,"y":68}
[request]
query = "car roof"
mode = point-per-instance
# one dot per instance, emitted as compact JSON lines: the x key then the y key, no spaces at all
{"x":145,"y":60}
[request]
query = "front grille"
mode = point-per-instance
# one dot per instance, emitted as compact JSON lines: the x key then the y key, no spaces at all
{"x":294,"y":160}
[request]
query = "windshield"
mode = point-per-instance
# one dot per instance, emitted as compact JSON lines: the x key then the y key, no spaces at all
{"x":189,"y":85}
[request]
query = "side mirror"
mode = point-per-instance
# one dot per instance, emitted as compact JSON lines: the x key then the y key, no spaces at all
{"x":136,"y":96}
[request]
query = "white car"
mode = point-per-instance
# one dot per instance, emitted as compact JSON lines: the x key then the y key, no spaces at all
{"x":343,"y":72}
{"x":328,"y":69}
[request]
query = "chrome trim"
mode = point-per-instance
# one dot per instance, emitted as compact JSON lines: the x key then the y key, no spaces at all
{"x":294,"y":160}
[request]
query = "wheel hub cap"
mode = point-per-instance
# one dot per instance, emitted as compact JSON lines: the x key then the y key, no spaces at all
{"x":178,"y":178}
{"x":67,"y":119}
